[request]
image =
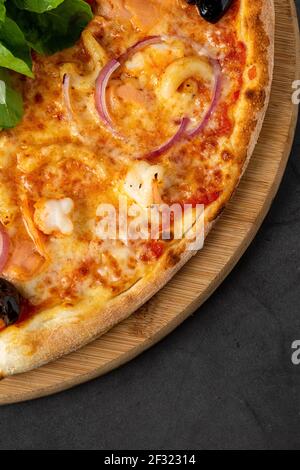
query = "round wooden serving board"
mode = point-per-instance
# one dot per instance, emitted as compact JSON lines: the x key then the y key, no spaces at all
{"x":224,"y":246}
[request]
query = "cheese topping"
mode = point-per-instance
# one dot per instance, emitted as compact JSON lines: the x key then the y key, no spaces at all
{"x":52,"y":216}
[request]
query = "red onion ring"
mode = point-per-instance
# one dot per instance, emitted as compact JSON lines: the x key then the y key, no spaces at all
{"x":106,"y":73}
{"x":114,"y":64}
{"x":100,"y":93}
{"x":66,"y":94}
{"x":215,"y":97}
{"x":4,"y":248}
{"x":171,"y":142}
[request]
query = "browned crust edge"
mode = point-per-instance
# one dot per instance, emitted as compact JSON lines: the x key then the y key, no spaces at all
{"x":36,"y":343}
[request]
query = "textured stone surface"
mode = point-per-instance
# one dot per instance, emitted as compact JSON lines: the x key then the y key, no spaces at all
{"x":224,"y":379}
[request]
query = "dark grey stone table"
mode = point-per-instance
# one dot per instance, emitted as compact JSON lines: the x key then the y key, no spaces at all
{"x":224,"y":379}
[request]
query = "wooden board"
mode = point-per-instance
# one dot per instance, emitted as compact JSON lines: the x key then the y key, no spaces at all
{"x":224,"y":246}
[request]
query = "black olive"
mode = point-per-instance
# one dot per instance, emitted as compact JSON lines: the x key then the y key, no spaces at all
{"x":211,"y":10}
{"x":10,"y":303}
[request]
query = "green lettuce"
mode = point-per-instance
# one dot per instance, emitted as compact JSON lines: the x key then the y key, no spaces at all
{"x":46,"y":26}
{"x":2,"y":11}
{"x":14,"y":49}
{"x":37,"y":6}
{"x":11,"y":103}
{"x":54,"y":29}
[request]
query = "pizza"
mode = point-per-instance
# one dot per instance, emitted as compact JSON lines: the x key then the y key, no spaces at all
{"x":158,"y":105}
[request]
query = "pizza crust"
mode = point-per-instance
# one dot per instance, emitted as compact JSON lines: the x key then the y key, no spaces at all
{"x":45,"y":338}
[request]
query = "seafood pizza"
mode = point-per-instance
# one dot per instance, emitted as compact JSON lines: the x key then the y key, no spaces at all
{"x":154,"y":108}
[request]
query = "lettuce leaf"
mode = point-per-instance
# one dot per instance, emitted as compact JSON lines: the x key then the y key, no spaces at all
{"x":2,"y":11}
{"x":14,"y":50}
{"x":11,"y":103}
{"x":37,"y":6}
{"x":53,"y":30}
{"x":47,"y":26}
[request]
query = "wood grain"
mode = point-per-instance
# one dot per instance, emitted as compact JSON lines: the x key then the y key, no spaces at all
{"x":224,"y":246}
